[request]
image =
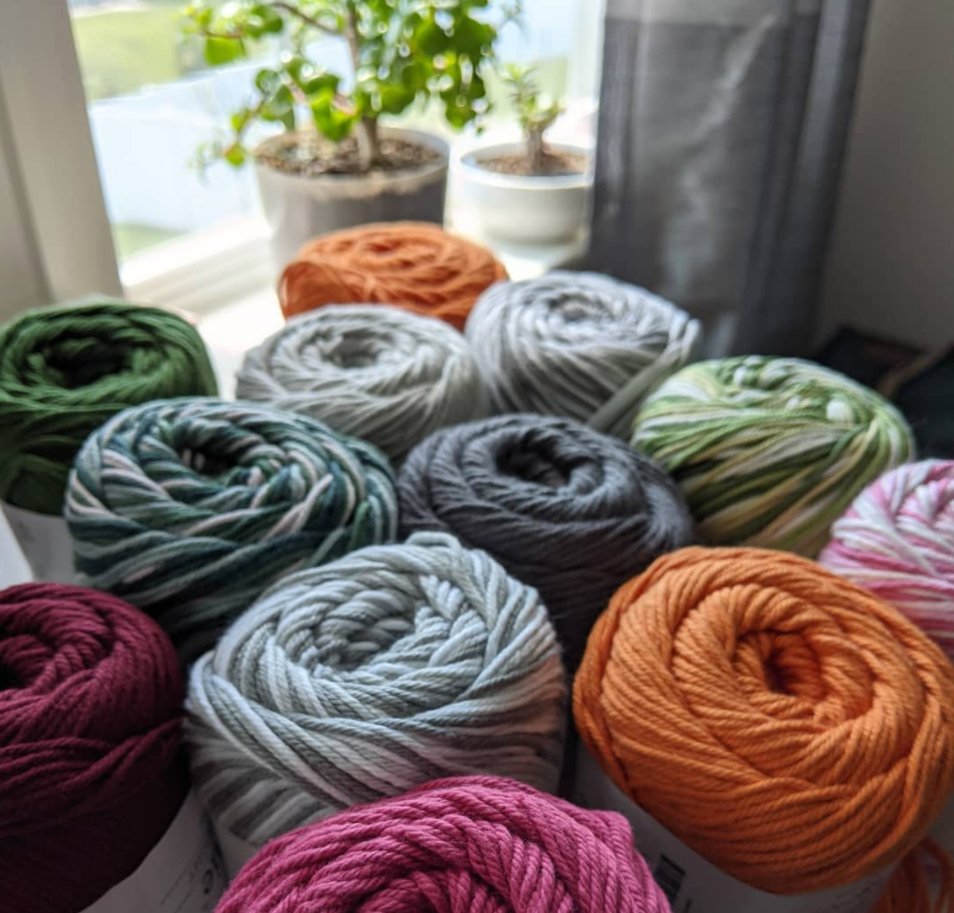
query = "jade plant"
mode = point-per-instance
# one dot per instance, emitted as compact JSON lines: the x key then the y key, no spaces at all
{"x":535,"y":114}
{"x":400,"y":51}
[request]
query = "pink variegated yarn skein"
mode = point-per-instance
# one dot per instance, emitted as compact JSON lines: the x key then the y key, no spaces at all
{"x":460,"y":845}
{"x":897,"y":540}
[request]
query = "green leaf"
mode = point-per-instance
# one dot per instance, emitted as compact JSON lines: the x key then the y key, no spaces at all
{"x":279,"y":106}
{"x":473,"y":38}
{"x":219,"y":51}
{"x":413,"y":76}
{"x":271,"y":20}
{"x":326,"y":83}
{"x":267,"y":81}
{"x":331,"y":121}
{"x":294,"y":66}
{"x":394,"y":98}
{"x":283,"y":100}
{"x":234,"y":155}
{"x":430,"y":39}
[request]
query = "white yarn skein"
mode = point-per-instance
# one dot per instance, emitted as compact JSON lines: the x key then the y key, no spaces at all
{"x":577,"y":345}
{"x":378,"y":373}
{"x":370,"y":675}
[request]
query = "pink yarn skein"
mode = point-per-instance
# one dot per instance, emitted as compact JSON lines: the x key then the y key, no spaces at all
{"x":897,"y":540}
{"x":461,"y":845}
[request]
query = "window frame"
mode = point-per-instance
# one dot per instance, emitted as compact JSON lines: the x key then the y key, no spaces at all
{"x":57,"y":243}
{"x":57,"y":235}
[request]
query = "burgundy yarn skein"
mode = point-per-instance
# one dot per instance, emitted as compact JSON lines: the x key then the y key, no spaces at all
{"x":91,"y":764}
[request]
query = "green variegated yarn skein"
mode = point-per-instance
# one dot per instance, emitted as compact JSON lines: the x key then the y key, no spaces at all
{"x":769,"y":451}
{"x":65,"y":370}
{"x":191,"y":508}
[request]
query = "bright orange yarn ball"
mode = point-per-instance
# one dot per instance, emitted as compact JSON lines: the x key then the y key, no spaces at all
{"x":415,"y":265}
{"x":784,"y":723}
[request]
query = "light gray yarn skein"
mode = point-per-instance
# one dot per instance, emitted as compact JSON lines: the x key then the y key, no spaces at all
{"x":378,"y":373}
{"x":363,"y":678}
{"x":577,"y":345}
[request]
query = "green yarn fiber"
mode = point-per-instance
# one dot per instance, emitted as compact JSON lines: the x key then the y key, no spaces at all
{"x":65,"y":370}
{"x":769,"y":451}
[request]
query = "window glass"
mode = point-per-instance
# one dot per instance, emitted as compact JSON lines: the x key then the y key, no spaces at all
{"x":153,"y":102}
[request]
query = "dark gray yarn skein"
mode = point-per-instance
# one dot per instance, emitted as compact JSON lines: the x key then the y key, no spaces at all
{"x":568,"y":510}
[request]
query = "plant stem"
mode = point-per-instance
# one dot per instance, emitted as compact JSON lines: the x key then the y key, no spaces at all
{"x":293,"y":10}
{"x":366,"y":133}
{"x":535,"y":151}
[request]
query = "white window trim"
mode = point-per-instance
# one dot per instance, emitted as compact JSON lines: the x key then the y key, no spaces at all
{"x":53,"y":224}
{"x":55,"y":238}
{"x":202,"y":271}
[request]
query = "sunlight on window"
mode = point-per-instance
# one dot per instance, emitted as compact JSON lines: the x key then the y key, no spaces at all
{"x":153,"y":101}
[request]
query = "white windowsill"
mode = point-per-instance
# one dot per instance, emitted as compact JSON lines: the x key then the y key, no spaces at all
{"x":225,"y":266}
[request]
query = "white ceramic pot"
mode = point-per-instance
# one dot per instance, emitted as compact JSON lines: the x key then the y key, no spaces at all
{"x":539,"y":209}
{"x":300,"y":208}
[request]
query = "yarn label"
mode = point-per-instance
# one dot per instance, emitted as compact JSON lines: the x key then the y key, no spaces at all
{"x":692,"y":883}
{"x":235,"y":851}
{"x":45,"y":542}
{"x":182,"y":873}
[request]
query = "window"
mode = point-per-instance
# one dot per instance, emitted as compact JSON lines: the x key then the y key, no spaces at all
{"x":150,"y":101}
{"x":151,"y":104}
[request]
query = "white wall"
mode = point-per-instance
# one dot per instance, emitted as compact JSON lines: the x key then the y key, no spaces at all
{"x":891,"y":262}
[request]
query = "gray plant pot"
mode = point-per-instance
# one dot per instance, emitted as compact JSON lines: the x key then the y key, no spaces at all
{"x":300,"y":208}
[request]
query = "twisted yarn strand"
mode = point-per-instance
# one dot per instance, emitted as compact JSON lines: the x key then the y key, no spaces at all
{"x":65,"y":370}
{"x":414,"y":265}
{"x":781,"y":721}
{"x":897,"y":540}
{"x":392,"y":666}
{"x":190,"y":508}
{"x":564,"y":508}
{"x":91,"y":768}
{"x":769,"y":451}
{"x":378,"y":373}
{"x":578,"y":345}
{"x":463,"y":845}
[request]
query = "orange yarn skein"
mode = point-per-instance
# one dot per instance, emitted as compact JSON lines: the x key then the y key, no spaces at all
{"x":415,"y":265}
{"x":781,"y":721}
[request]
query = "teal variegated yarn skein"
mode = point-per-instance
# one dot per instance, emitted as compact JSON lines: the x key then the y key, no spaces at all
{"x":65,"y":370}
{"x":770,"y":451}
{"x":190,"y":508}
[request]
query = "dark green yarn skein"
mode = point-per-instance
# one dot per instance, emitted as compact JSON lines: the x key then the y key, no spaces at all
{"x":65,"y":370}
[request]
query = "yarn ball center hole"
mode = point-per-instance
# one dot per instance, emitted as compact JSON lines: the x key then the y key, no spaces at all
{"x":540,"y":467}
{"x":204,"y":463}
{"x":77,"y":363}
{"x":782,"y":662}
{"x":353,"y":350}
{"x":573,"y":309}
{"x":9,"y":678}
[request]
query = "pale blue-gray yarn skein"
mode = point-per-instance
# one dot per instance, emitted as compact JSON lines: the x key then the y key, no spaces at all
{"x":379,"y":373}
{"x":392,"y":666}
{"x":577,"y":345}
{"x":190,"y":508}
